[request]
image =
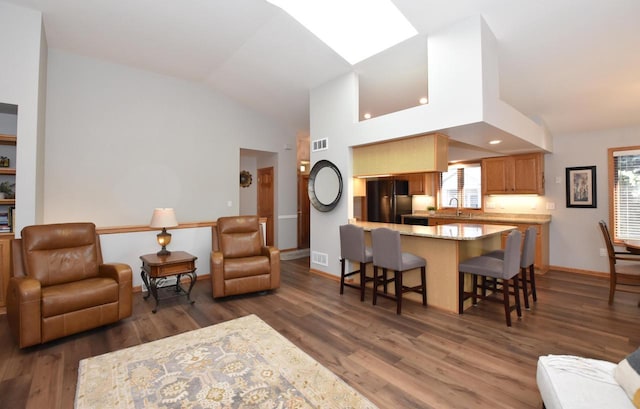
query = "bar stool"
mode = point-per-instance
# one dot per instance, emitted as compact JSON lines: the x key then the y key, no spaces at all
{"x":527,"y":259}
{"x":352,"y":247}
{"x":505,"y":270}
{"x":387,"y":255}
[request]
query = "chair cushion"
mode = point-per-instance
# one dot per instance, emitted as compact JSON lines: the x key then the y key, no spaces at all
{"x":627,"y":374}
{"x":78,"y":295}
{"x":246,"y":267}
{"x":411,"y":261}
{"x":571,"y":382}
{"x":483,"y":265}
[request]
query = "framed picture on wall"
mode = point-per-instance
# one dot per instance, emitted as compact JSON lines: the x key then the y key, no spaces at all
{"x":581,"y":186}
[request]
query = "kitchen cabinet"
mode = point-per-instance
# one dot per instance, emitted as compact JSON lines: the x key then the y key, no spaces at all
{"x":519,"y":174}
{"x":542,"y":244}
{"x":422,"y":183}
{"x":415,"y":154}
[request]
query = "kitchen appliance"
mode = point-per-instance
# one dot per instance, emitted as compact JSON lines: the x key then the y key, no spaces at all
{"x":416,"y":220}
{"x":387,"y":200}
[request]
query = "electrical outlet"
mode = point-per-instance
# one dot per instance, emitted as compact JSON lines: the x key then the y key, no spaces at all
{"x":551,"y":206}
{"x":603,"y":252}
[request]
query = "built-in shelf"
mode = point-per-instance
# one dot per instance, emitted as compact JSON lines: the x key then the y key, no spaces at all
{"x":7,"y":171}
{"x":7,"y":202}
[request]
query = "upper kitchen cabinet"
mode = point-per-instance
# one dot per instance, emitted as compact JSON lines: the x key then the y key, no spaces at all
{"x":519,"y":174}
{"x":416,"y":154}
{"x":422,"y":183}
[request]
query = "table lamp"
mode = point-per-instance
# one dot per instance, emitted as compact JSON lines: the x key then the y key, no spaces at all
{"x":163,"y":218}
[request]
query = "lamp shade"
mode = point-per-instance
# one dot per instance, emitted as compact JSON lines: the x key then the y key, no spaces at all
{"x":163,"y":217}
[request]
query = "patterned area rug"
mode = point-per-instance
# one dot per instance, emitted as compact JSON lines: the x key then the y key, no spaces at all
{"x":243,"y":363}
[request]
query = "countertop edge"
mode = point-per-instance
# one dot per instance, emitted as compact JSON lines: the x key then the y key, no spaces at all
{"x":437,"y":232}
{"x":530,"y":219}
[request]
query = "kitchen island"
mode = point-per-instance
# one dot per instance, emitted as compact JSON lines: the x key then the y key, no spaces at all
{"x":443,"y":246}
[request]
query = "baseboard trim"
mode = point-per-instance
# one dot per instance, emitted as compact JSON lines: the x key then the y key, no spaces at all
{"x":591,"y":273}
{"x":323,"y":274}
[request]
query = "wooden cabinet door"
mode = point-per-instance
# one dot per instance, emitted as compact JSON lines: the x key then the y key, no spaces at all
{"x":496,"y":175}
{"x":416,"y":183}
{"x":520,"y":174}
{"x":527,"y":174}
{"x":422,"y":183}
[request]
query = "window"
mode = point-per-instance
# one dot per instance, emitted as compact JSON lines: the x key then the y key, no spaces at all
{"x":463,"y":183}
{"x":624,"y":190}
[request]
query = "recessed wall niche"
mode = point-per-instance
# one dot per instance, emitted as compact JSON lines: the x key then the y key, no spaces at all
{"x":394,"y":79}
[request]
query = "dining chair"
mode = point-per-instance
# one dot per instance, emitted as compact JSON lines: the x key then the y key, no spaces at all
{"x":506,"y":270}
{"x":388,"y":255}
{"x":527,"y":260}
{"x":353,"y":248}
{"x":624,"y":267}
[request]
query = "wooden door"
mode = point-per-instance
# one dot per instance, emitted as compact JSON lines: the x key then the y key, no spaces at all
{"x":304,"y":210}
{"x":265,"y":200}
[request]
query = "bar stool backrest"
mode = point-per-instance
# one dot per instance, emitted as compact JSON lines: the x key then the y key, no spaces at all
{"x":352,"y":245}
{"x":511,"y":264}
{"x":386,"y":248}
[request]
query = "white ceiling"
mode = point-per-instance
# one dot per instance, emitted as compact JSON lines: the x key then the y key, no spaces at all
{"x":573,"y":64}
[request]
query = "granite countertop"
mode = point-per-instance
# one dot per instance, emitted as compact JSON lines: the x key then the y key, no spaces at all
{"x":453,"y":231}
{"x":484,"y":217}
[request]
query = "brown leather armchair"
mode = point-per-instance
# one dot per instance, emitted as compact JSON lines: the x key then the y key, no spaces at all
{"x":60,"y":286}
{"x":240,"y":262}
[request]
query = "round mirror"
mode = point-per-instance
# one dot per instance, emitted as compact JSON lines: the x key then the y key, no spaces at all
{"x":325,"y":185}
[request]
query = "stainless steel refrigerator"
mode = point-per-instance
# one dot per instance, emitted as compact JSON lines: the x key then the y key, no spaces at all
{"x":387,"y":200}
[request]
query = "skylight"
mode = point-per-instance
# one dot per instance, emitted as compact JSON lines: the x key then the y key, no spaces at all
{"x":355,"y":29}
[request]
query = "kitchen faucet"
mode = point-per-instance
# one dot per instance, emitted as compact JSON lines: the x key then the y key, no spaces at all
{"x":458,"y":211}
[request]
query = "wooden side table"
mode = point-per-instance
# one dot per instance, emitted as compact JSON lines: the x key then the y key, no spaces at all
{"x":156,"y":269}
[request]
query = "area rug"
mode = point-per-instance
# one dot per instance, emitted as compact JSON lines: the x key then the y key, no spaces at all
{"x":242,"y":363}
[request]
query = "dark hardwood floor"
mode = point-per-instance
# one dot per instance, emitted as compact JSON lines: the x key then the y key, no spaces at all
{"x":422,"y":359}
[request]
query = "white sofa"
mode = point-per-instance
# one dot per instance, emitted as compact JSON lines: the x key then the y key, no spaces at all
{"x":571,"y":382}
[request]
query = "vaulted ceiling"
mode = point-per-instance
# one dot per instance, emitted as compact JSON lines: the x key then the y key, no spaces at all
{"x":572,"y":64}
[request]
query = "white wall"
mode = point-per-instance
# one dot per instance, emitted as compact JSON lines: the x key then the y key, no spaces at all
{"x":121,"y":141}
{"x":23,"y":49}
{"x":456,"y":59}
{"x":575,"y":235}
{"x":248,"y":195}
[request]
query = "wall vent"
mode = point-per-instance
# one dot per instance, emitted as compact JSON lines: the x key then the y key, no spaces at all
{"x":320,"y":145}
{"x":320,"y":258}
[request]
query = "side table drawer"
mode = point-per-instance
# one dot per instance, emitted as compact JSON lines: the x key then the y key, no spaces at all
{"x":173,"y":269}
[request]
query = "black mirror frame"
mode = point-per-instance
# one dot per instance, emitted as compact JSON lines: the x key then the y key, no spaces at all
{"x":317,"y":167}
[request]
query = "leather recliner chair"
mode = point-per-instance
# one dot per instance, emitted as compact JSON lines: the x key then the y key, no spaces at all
{"x":60,"y":286}
{"x":240,"y":262}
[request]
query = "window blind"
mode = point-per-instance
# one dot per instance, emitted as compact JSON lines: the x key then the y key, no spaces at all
{"x":626,"y":194}
{"x":462,"y":182}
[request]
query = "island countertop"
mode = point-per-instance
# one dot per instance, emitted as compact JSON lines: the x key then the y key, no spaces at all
{"x":444,"y":247}
{"x":453,"y":231}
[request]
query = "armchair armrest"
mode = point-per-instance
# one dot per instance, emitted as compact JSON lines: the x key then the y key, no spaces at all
{"x":23,"y":310}
{"x":123,"y":275}
{"x":217,"y":274}
{"x":274,"y":260}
